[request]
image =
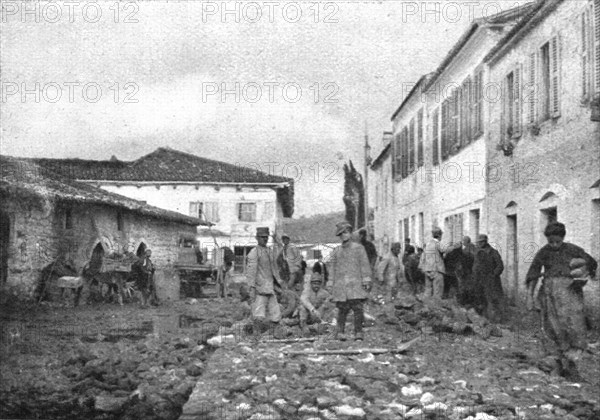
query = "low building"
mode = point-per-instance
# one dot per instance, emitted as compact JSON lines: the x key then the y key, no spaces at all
{"x":46,"y":217}
{"x":233,"y":199}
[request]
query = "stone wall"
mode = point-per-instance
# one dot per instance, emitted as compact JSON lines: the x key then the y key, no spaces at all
{"x":38,"y":236}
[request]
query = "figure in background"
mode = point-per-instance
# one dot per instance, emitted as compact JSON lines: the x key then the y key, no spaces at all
{"x":292,"y":256}
{"x":315,"y":301}
{"x":432,"y":264}
{"x":143,"y":270}
{"x":350,"y":281}
{"x":262,"y":275}
{"x":470,"y":293}
{"x":487,"y":269}
{"x":414,"y":276}
{"x":321,"y":268}
{"x":228,"y":257}
{"x":391,"y":272}
{"x":369,"y":248}
{"x":566,"y":268}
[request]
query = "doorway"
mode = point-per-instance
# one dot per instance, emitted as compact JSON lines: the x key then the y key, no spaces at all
{"x":512,"y":257}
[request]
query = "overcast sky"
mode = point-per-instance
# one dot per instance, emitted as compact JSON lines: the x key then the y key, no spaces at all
{"x":303,"y":78}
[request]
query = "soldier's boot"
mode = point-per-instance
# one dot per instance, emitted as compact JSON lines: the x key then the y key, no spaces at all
{"x":304,"y":329}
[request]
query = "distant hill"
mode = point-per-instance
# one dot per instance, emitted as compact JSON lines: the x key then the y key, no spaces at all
{"x":319,"y":228}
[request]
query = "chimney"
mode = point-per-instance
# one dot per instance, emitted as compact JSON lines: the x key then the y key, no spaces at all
{"x":387,"y":138}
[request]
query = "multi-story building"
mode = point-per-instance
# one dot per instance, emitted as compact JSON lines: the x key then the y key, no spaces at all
{"x":438,"y":154}
{"x":541,"y":128}
{"x":232,"y":198}
{"x":511,"y":137}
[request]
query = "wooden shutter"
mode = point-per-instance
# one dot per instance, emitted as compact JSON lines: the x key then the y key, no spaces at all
{"x":405,"y":151}
{"x":503,"y":105}
{"x":420,"y":138}
{"x":435,"y":137}
{"x":411,"y":146}
{"x":445,"y":128}
{"x":555,"y":67}
{"x":585,"y":56}
{"x":517,"y":105}
{"x":597,"y":42}
{"x":194,"y":208}
{"x":468,"y":110}
{"x":532,"y":90}
{"x":396,"y":156}
{"x":211,"y":211}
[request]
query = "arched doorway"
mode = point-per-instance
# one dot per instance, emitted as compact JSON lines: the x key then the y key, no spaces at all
{"x":4,"y":244}
{"x":96,"y":259}
{"x":141,"y":250}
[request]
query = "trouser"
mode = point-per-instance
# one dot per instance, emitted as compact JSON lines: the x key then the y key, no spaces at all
{"x":354,"y":305}
{"x":264,"y":303}
{"x":434,"y":284}
{"x":391,"y":289}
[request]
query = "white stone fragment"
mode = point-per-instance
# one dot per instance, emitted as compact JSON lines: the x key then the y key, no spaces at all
{"x":243,"y":407}
{"x":427,"y":398}
{"x":316,"y":359}
{"x":307,"y":409}
{"x":436,"y":407}
{"x":367,"y":359}
{"x":271,"y":378}
{"x":346,"y":410}
{"x":415,"y":412}
{"x":219,"y":340}
{"x":411,"y":391}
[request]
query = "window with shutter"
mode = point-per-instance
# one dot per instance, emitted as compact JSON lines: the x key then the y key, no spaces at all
{"x":544,"y":82}
{"x":411,"y":146}
{"x":420,"y":138}
{"x":445,"y":128}
{"x":397,"y":161}
{"x":585,"y":56}
{"x":509,"y":105}
{"x":517,"y":106}
{"x":503,"y":114}
{"x":211,"y":212}
{"x":555,"y":68}
{"x":405,"y":157}
{"x":435,"y":136}
{"x":468,"y":110}
{"x":453,"y":124}
{"x":596,"y":15}
{"x":532,"y":91}
{"x":479,"y":100}
{"x":194,"y":209}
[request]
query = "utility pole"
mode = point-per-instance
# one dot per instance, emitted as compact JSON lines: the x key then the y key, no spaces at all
{"x":366,"y":178}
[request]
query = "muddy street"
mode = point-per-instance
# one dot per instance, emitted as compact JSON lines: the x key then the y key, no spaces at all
{"x":195,"y":359}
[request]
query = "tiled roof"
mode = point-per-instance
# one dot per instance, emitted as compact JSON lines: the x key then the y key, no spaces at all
{"x":168,"y":165}
{"x":20,"y":175}
{"x":534,"y":15}
{"x":162,"y":165}
{"x":382,"y":156}
{"x":506,"y":18}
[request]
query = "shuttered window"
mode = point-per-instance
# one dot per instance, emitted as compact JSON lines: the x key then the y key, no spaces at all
{"x":420,"y":159}
{"x":405,"y":157}
{"x":478,"y":104}
{"x":508,"y":101}
{"x":555,"y":77}
{"x":596,"y":15}
{"x":435,"y":136}
{"x":517,"y":118}
{"x":467,"y":111}
{"x":445,"y":128}
{"x":532,"y":90}
{"x":397,"y":162}
{"x":411,"y":146}
{"x":207,"y":211}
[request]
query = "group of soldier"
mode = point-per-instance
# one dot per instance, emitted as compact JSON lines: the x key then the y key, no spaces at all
{"x":353,"y":266}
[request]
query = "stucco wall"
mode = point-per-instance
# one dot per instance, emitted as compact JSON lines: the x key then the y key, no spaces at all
{"x":562,"y":159}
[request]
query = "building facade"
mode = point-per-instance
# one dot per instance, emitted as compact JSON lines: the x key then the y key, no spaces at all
{"x":511,"y":138}
{"x":542,"y":130}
